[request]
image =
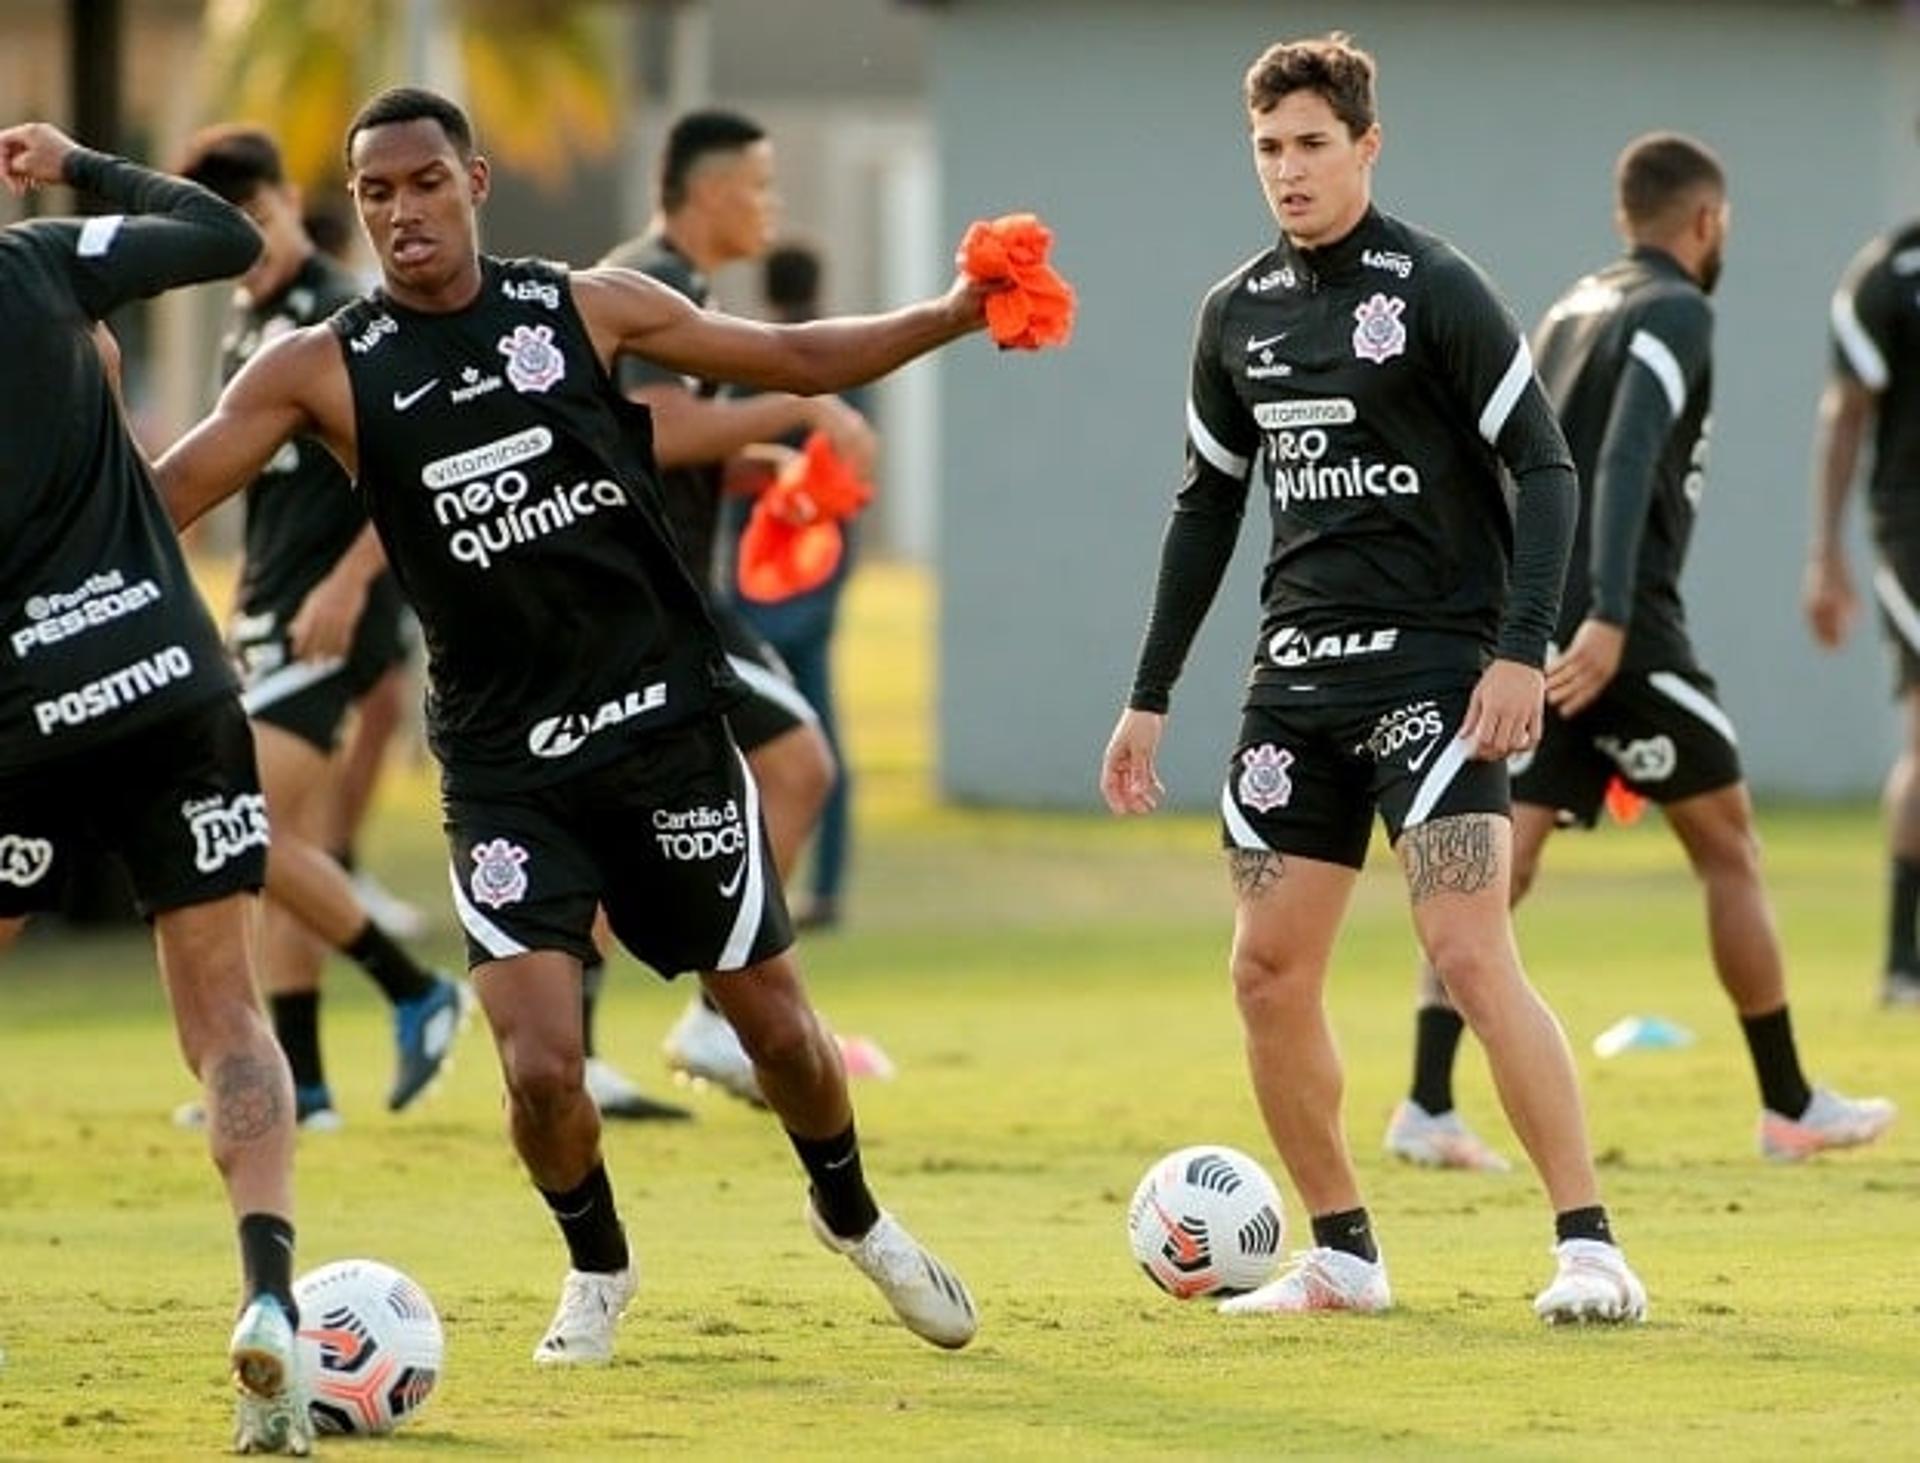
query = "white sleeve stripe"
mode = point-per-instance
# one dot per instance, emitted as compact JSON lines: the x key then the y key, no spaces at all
{"x":96,"y":234}
{"x":1651,"y":351}
{"x":1238,"y":828}
{"x":1862,"y":354}
{"x":1500,"y":405}
{"x":1211,"y":448}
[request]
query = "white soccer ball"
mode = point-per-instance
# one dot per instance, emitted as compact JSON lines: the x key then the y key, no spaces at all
{"x":1207,"y":1221}
{"x":371,"y":1346}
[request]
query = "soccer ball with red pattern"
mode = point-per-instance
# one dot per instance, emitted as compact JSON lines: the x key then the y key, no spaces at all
{"x":371,"y":1346}
{"x":1206,"y":1221}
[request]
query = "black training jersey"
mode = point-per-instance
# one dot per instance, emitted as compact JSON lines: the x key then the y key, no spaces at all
{"x":1626,"y":356}
{"x":104,"y":631}
{"x":302,"y":514}
{"x":1378,"y":384}
{"x":515,"y":493}
{"x":693,"y":494}
{"x":1876,"y":341}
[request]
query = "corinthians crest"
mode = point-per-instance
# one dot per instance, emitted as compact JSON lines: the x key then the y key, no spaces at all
{"x":1379,"y":336}
{"x":534,"y":362}
{"x":1264,"y":784}
{"x":499,"y":876}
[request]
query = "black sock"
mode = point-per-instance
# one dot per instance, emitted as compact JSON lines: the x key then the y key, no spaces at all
{"x":347,"y":858}
{"x":266,"y":1260}
{"x":593,"y":975}
{"x":1588,"y":1223}
{"x":1350,"y":1231}
{"x":393,"y":969}
{"x":839,"y":1187}
{"x":1901,"y":954}
{"x":1776,"y":1062}
{"x":296,"y":1026}
{"x":591,"y":1224}
{"x":1436,"y":1039}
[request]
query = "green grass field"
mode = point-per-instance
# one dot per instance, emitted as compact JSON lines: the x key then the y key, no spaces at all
{"x":1053,"y":990}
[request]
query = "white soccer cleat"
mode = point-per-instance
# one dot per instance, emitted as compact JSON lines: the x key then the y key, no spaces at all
{"x":930,"y":1300}
{"x":1830,"y":1121}
{"x":1593,"y":1284}
{"x":581,"y":1332}
{"x":271,"y":1413}
{"x":1439,"y":1141}
{"x":1901,"y":990}
{"x":1319,"y":1279}
{"x":702,"y":1044}
{"x":617,"y":1097}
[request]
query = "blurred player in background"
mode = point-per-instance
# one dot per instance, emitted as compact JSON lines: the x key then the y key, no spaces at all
{"x":1626,"y":356}
{"x":1406,"y":615}
{"x":118,"y":722}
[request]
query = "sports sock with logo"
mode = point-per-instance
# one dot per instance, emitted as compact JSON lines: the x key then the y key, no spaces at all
{"x":1589,"y":1223}
{"x":395,"y":971}
{"x":840,"y":1190}
{"x":1776,"y":1062}
{"x":266,"y":1260}
{"x":1349,"y":1231}
{"x":593,"y":975}
{"x":296,"y":1026}
{"x":587,"y":1217}
{"x":1901,"y":952}
{"x":1436,"y":1040}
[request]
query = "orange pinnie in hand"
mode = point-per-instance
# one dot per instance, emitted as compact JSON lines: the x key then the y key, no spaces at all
{"x":793,"y":542}
{"x":1037,"y":308}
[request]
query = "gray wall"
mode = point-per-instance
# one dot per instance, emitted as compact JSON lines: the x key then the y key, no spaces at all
{"x":1121,"y":123}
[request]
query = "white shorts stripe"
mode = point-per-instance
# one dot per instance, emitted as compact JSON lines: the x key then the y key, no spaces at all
{"x":1211,"y":447}
{"x":1493,"y":418}
{"x":488,"y":935}
{"x":1898,"y":605}
{"x":1652,"y":352}
{"x":1238,"y":828}
{"x":1439,"y":778}
{"x":753,"y":893}
{"x":771,"y":686}
{"x":1679,"y":691}
{"x":1858,"y":347}
{"x":287,"y":681}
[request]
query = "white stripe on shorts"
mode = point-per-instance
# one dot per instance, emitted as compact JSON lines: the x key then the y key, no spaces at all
{"x":1679,"y":691}
{"x":488,"y":935}
{"x":1238,"y":828}
{"x":753,"y":896}
{"x":1438,"y":779}
{"x":288,"y":681}
{"x":1899,"y":607}
{"x":771,"y":686}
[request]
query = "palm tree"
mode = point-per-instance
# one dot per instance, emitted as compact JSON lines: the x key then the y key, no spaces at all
{"x":540,"y":76}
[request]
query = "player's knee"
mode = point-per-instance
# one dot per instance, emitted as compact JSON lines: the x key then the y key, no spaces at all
{"x":543,"y":1079}
{"x":1469,"y":969}
{"x":1268,"y":980}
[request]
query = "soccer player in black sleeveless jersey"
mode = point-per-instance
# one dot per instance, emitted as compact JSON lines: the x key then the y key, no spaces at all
{"x":1626,"y":358}
{"x":119,"y":727}
{"x":578,"y":684}
{"x":1371,"y":367}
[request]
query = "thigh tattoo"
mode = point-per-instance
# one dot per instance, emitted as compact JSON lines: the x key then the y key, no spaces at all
{"x":1455,"y":855}
{"x":1254,"y":870}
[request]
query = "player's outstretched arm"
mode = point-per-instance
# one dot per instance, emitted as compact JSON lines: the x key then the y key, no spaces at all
{"x":627,"y":312}
{"x":1827,"y":593}
{"x":297,"y":386}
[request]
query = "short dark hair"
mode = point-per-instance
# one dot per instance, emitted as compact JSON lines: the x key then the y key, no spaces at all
{"x":699,"y":135}
{"x":413,"y":104}
{"x":1331,"y":65}
{"x":791,"y":278}
{"x":234,"y":160}
{"x":1661,"y":170}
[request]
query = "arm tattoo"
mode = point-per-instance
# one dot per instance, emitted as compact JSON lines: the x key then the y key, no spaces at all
{"x":1254,"y":870}
{"x":246,"y":1099}
{"x":1452,"y":856}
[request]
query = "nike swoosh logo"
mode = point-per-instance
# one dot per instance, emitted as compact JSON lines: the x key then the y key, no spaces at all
{"x":1414,"y":764}
{"x":401,"y":403}
{"x":1260,"y":343}
{"x":732,"y":886}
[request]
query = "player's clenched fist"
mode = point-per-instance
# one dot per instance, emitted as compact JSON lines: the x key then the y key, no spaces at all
{"x":33,"y":152}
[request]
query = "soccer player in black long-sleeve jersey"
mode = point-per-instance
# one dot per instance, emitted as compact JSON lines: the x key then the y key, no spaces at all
{"x":1625,"y":356}
{"x":1405,"y":617}
{"x":119,"y":726}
